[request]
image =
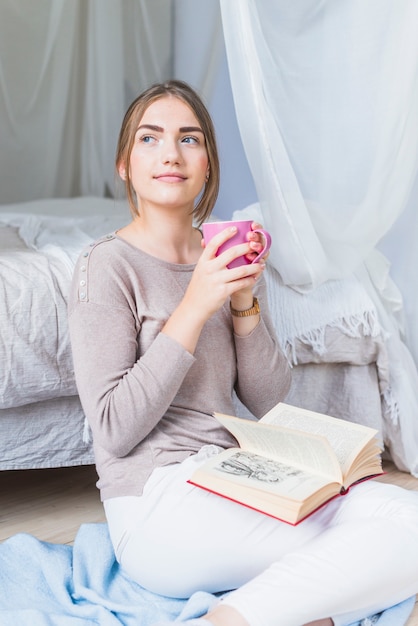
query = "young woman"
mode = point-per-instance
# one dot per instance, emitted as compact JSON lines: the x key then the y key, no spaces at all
{"x":163,"y":334}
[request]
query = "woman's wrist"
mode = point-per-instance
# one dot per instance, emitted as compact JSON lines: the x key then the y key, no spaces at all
{"x":245,"y":313}
{"x":241,"y":301}
{"x":254,"y":309}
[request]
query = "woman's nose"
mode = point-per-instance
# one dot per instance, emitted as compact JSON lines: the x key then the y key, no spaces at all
{"x":170,"y":151}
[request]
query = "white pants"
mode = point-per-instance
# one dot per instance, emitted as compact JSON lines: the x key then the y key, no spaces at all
{"x":352,"y":558}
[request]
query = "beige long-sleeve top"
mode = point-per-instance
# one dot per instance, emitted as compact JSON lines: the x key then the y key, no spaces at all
{"x":148,"y":401}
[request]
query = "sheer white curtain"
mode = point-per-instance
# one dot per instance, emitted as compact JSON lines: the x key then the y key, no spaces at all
{"x":326,"y":95}
{"x":68,"y":70}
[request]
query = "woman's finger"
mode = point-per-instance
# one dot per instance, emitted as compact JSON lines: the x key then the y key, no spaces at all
{"x":217,"y":240}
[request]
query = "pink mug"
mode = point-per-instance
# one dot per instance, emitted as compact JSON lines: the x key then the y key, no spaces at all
{"x":210,"y":229}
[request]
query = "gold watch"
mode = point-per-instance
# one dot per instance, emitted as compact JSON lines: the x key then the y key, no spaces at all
{"x":254,"y":310}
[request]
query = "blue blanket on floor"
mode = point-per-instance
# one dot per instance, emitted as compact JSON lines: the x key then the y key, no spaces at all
{"x":45,"y":584}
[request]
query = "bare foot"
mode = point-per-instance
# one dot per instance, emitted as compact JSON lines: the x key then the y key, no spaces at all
{"x":223,"y":615}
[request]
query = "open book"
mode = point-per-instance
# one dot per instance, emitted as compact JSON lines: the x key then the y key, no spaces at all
{"x":291,"y":461}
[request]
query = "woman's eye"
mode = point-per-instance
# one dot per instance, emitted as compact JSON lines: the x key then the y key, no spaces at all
{"x":146,"y":139}
{"x":190,"y":139}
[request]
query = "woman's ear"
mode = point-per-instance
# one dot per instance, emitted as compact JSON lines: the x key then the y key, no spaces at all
{"x":122,"y":171}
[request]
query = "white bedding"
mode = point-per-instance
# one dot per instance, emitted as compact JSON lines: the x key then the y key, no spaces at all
{"x":43,"y":435}
{"x":38,"y":253}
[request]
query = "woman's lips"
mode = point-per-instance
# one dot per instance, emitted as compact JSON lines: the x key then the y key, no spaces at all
{"x":171,"y":178}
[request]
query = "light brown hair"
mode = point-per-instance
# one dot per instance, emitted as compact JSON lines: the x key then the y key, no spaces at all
{"x":134,"y":114}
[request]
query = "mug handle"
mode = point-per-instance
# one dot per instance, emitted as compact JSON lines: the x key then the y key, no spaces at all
{"x":267,"y":244}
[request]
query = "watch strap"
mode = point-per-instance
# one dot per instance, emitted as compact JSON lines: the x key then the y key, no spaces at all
{"x":253,"y":310}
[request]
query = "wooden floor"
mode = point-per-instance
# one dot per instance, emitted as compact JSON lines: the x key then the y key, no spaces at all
{"x":52,"y":504}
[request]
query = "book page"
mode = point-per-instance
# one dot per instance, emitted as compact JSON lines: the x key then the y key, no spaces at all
{"x":306,"y":451}
{"x":255,"y":472}
{"x":346,"y":438}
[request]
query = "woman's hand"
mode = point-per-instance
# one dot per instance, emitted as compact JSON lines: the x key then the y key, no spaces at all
{"x":256,"y":242}
{"x":243,"y":299}
{"x":212,"y":283}
{"x":214,"y":280}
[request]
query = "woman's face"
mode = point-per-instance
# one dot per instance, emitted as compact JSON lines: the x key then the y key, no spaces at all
{"x":169,"y":161}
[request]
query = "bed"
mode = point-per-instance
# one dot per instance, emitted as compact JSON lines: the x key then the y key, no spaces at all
{"x":339,"y":363}
{"x":41,"y":419}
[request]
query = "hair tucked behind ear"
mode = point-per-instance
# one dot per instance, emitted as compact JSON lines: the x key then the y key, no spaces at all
{"x":134,"y":114}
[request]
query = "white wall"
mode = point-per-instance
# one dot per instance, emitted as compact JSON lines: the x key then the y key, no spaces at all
{"x":237,"y":187}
